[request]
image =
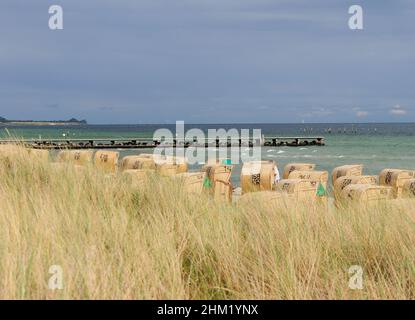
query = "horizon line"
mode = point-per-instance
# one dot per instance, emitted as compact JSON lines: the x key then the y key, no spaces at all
{"x":239,"y":123}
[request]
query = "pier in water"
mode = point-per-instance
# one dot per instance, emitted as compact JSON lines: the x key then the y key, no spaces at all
{"x":143,"y":143}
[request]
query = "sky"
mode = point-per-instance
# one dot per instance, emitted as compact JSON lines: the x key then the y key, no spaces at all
{"x":208,"y":61}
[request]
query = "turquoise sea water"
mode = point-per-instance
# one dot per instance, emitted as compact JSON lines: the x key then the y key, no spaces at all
{"x":376,"y":146}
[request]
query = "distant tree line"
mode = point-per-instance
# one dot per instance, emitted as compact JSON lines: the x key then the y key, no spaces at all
{"x":72,"y":120}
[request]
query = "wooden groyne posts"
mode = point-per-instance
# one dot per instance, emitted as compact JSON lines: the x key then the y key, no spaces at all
{"x":294,"y":141}
{"x":144,"y":143}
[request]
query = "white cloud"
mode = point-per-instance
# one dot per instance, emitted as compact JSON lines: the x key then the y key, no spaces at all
{"x":361,"y":113}
{"x":397,"y":111}
{"x":317,"y":112}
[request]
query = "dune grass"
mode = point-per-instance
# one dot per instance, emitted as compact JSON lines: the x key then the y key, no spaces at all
{"x":117,"y":240}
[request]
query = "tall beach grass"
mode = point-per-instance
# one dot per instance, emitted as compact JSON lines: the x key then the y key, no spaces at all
{"x":118,"y":240}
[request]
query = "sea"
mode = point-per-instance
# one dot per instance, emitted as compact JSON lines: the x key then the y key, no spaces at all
{"x":375,"y":145}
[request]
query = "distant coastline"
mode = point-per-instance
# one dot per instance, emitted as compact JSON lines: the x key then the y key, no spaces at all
{"x":72,"y":121}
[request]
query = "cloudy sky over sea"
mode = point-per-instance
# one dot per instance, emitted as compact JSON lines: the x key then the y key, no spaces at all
{"x":201,"y":61}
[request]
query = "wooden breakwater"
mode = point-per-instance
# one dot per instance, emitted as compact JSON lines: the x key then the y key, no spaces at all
{"x":144,"y":143}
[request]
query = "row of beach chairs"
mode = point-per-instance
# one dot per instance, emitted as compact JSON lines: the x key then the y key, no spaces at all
{"x":300,"y":182}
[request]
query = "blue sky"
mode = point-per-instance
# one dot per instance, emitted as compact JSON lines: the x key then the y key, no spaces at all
{"x":208,"y":61}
